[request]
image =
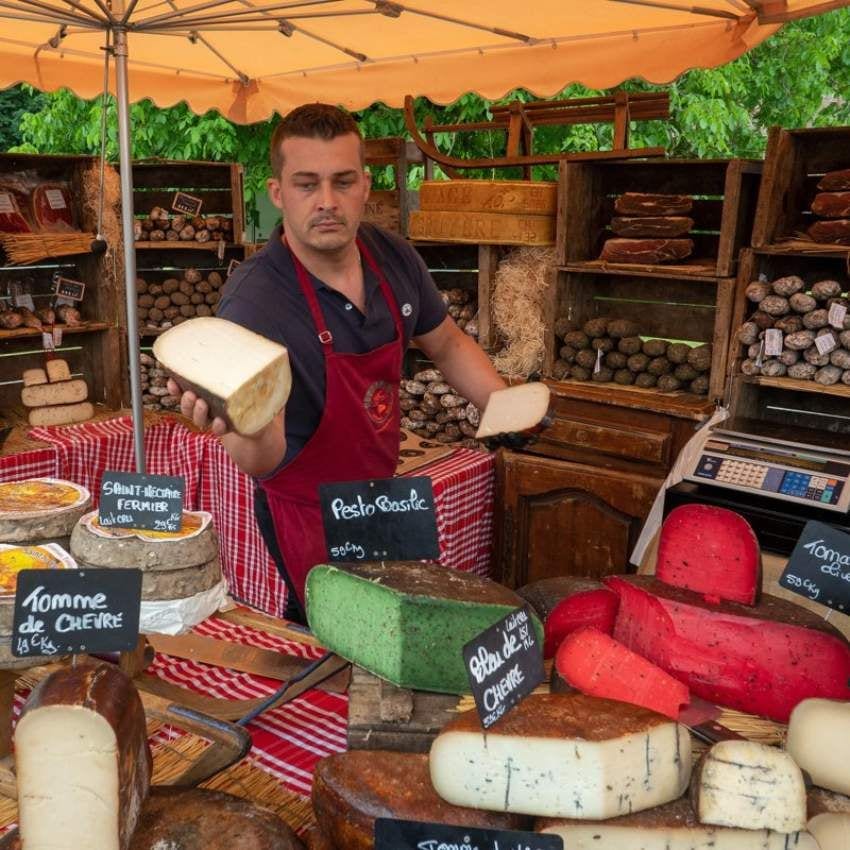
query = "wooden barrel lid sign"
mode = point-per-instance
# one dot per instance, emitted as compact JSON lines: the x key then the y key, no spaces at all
{"x":133,"y":500}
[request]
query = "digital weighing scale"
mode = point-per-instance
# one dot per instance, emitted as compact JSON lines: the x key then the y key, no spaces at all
{"x":802,"y":466}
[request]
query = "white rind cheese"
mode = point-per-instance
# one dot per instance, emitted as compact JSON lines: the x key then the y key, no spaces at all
{"x":514,"y":410}
{"x":588,"y":771}
{"x":819,"y":741}
{"x":749,"y":786}
{"x":832,"y":831}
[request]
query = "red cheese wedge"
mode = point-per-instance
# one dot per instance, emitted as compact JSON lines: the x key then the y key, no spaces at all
{"x":596,"y":607}
{"x":599,"y":666}
{"x":762,"y":660}
{"x":712,"y":551}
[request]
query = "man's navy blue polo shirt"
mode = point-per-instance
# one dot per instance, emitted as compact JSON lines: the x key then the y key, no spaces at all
{"x":263,"y":295}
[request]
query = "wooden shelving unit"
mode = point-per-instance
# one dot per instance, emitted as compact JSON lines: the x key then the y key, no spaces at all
{"x":86,"y":327}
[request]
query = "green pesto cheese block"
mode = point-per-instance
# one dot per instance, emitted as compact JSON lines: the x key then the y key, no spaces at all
{"x":406,"y":622}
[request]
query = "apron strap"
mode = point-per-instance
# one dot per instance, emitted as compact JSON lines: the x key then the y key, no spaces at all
{"x":386,"y":289}
{"x":325,"y":336}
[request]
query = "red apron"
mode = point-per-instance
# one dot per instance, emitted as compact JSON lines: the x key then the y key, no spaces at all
{"x":357,"y":438}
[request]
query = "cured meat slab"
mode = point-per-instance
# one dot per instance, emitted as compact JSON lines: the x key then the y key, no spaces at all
{"x":563,"y":755}
{"x":12,"y":219}
{"x":832,"y":204}
{"x":654,"y":226}
{"x":82,"y":759}
{"x":646,"y":251}
{"x":649,"y":204}
{"x":352,"y":790}
{"x":762,"y":660}
{"x":836,"y":232}
{"x":50,"y":204}
{"x":835,"y":181}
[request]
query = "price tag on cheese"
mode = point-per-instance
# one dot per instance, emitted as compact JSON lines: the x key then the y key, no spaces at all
{"x":505,"y":664}
{"x":819,"y":566}
{"x":773,"y":342}
{"x":837,"y":314}
{"x":21,"y":298}
{"x":55,"y":199}
{"x":826,"y":343}
{"x":132,"y":500}
{"x":760,"y":355}
{"x":47,"y":342}
{"x":393,"y":834}
{"x":231,"y":267}
{"x":76,"y":610}
{"x":6,"y":203}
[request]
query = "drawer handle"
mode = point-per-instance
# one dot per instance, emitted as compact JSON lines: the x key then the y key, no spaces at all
{"x":582,"y":436}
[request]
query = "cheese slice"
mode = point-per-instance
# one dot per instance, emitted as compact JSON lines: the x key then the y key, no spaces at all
{"x":406,"y":622}
{"x":513,"y":410}
{"x":832,"y":831}
{"x":669,"y":827}
{"x":819,"y":741}
{"x":750,"y":786}
{"x":82,"y":761}
{"x":563,"y":755}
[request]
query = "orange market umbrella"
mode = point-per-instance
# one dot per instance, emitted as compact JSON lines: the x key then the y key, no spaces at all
{"x":251,"y":58}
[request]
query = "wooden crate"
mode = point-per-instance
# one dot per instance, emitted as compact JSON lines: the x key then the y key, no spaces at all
{"x":384,"y":717}
{"x":390,"y":208}
{"x":218,"y":184}
{"x":784,"y":401}
{"x":725,"y":194}
{"x":686,"y":309}
{"x":93,"y":349}
{"x":795,"y":161}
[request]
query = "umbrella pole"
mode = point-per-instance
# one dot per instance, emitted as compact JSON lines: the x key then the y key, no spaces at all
{"x":126,"y":164}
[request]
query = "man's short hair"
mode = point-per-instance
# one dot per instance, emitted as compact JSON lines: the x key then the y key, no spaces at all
{"x":312,"y":121}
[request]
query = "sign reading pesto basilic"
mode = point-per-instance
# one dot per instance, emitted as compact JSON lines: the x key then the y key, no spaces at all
{"x":390,"y":519}
{"x":132,"y":500}
{"x":505,"y":664}
{"x":417,"y":835}
{"x":70,"y":611}
{"x":819,"y":566}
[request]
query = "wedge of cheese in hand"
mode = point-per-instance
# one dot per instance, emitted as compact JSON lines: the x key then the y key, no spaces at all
{"x":82,"y":759}
{"x":514,"y":410}
{"x":750,"y":786}
{"x":819,"y":741}
{"x":563,"y":755}
{"x":831,"y":830}
{"x":244,"y":377}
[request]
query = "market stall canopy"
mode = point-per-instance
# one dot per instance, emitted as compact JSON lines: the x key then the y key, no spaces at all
{"x":251,"y":58}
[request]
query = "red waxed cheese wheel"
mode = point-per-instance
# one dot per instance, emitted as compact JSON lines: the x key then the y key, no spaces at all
{"x":712,"y":551}
{"x":596,"y":608}
{"x":762,"y":660}
{"x":599,"y":666}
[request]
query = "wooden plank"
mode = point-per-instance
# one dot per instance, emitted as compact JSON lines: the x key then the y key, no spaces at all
{"x":483,"y":228}
{"x":86,"y":327}
{"x":699,"y":268}
{"x":181,"y":175}
{"x":216,"y":201}
{"x":383,"y":208}
{"x":182,"y":246}
{"x":504,"y":196}
{"x":838,"y":390}
{"x":488,"y":261}
{"x":236,"y":656}
{"x":720,"y":342}
{"x":7,"y":702}
{"x":256,"y":620}
{"x":237,"y":189}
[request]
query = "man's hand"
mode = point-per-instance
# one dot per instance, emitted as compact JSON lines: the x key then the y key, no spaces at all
{"x":197,"y":410}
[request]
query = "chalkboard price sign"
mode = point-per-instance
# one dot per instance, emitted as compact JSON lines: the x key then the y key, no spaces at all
{"x":819,"y":566}
{"x":132,"y":500}
{"x":505,"y":664}
{"x":417,"y":835}
{"x":70,"y":611}
{"x":390,"y":519}
{"x":186,"y":204}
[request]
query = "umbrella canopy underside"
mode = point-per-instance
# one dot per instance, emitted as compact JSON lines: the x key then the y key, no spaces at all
{"x":251,"y":58}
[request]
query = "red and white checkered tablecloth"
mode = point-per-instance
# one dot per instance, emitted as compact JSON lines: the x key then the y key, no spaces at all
{"x":35,"y":463}
{"x":463,"y":491}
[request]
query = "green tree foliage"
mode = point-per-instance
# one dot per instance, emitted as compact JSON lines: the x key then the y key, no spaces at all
{"x":799,"y":77}
{"x":14,"y":102}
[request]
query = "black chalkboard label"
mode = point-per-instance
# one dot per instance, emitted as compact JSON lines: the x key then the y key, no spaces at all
{"x":505,"y":664}
{"x":819,"y":566}
{"x":417,"y":835}
{"x":131,"y":500}
{"x":389,"y":519}
{"x":69,"y":611}
{"x":64,"y":287}
{"x":186,"y":204}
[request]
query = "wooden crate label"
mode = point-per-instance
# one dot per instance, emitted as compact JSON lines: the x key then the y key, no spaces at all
{"x":383,"y":209}
{"x":483,"y":228}
{"x":507,"y":196}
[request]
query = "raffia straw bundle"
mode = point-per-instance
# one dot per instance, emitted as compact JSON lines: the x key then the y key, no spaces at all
{"x":23,"y":248}
{"x":520,"y":288}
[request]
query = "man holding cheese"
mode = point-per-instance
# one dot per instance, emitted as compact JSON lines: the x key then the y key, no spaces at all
{"x":345,"y":298}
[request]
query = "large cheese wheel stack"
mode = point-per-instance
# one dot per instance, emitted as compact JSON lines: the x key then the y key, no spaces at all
{"x":175,"y":566}
{"x":53,"y":397}
{"x":650,"y":229}
{"x":501,"y":212}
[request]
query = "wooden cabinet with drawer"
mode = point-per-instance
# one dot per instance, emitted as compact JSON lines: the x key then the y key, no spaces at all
{"x":561,"y":518}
